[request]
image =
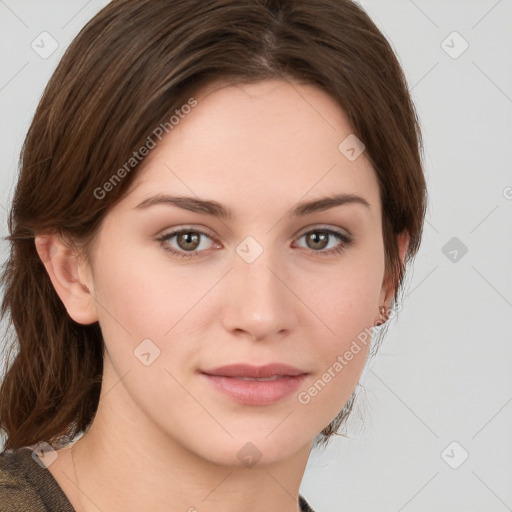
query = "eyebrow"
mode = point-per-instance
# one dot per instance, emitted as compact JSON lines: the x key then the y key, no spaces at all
{"x":216,"y":209}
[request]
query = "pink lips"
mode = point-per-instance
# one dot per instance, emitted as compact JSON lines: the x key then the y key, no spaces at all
{"x":237,"y":381}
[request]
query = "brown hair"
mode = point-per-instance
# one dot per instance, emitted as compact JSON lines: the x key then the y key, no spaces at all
{"x":128,"y":70}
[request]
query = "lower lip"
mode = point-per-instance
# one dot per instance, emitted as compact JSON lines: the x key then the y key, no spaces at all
{"x":256,"y":392}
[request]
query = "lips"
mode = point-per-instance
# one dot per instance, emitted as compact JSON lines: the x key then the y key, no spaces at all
{"x":251,"y":372}
{"x":255,"y":385}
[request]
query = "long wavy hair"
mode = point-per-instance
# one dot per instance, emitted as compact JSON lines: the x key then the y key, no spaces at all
{"x":127,"y":71}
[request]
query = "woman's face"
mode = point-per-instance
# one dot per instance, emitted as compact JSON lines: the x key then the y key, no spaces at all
{"x":275,"y":283}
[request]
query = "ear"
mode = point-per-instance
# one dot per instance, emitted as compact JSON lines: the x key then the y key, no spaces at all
{"x":64,"y":268}
{"x":388,"y":285}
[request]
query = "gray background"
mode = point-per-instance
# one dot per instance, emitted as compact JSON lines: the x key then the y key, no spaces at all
{"x":443,"y":373}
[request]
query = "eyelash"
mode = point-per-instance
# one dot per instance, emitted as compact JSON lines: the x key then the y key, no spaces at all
{"x":344,"y":239}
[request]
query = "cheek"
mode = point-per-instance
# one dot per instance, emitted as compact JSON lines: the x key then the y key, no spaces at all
{"x":151,"y":299}
{"x":347,"y":305}
{"x":141,"y":294}
{"x":340,"y":358}
{"x":346,"y":299}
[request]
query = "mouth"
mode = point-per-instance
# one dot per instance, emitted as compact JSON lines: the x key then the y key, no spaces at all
{"x":243,"y":370}
{"x":255,"y":385}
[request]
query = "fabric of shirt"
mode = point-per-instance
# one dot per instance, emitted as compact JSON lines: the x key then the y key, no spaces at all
{"x":26,"y":486}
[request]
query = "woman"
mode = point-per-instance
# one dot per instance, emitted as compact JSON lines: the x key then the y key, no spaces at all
{"x":216,"y":205}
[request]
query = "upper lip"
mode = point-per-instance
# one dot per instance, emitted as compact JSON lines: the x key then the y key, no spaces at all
{"x":247,"y":370}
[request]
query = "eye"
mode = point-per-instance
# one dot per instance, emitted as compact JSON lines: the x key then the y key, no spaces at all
{"x":318,"y":239}
{"x":188,"y":242}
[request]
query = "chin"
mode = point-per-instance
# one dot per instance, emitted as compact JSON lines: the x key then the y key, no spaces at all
{"x":256,"y":449}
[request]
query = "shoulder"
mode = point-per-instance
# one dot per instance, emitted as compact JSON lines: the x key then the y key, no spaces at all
{"x":27,"y":485}
{"x":16,"y":491}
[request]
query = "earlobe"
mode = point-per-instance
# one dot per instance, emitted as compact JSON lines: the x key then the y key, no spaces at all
{"x":388,"y":286}
{"x":62,"y":266}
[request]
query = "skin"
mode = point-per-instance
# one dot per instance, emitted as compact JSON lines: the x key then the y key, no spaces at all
{"x":163,"y":438}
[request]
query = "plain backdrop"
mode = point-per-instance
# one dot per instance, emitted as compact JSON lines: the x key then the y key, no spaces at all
{"x":432,"y":427}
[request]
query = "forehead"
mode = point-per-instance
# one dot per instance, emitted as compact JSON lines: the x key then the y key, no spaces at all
{"x":258,"y":143}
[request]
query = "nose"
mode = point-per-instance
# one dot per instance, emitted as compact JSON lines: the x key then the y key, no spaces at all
{"x":259,"y":301}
